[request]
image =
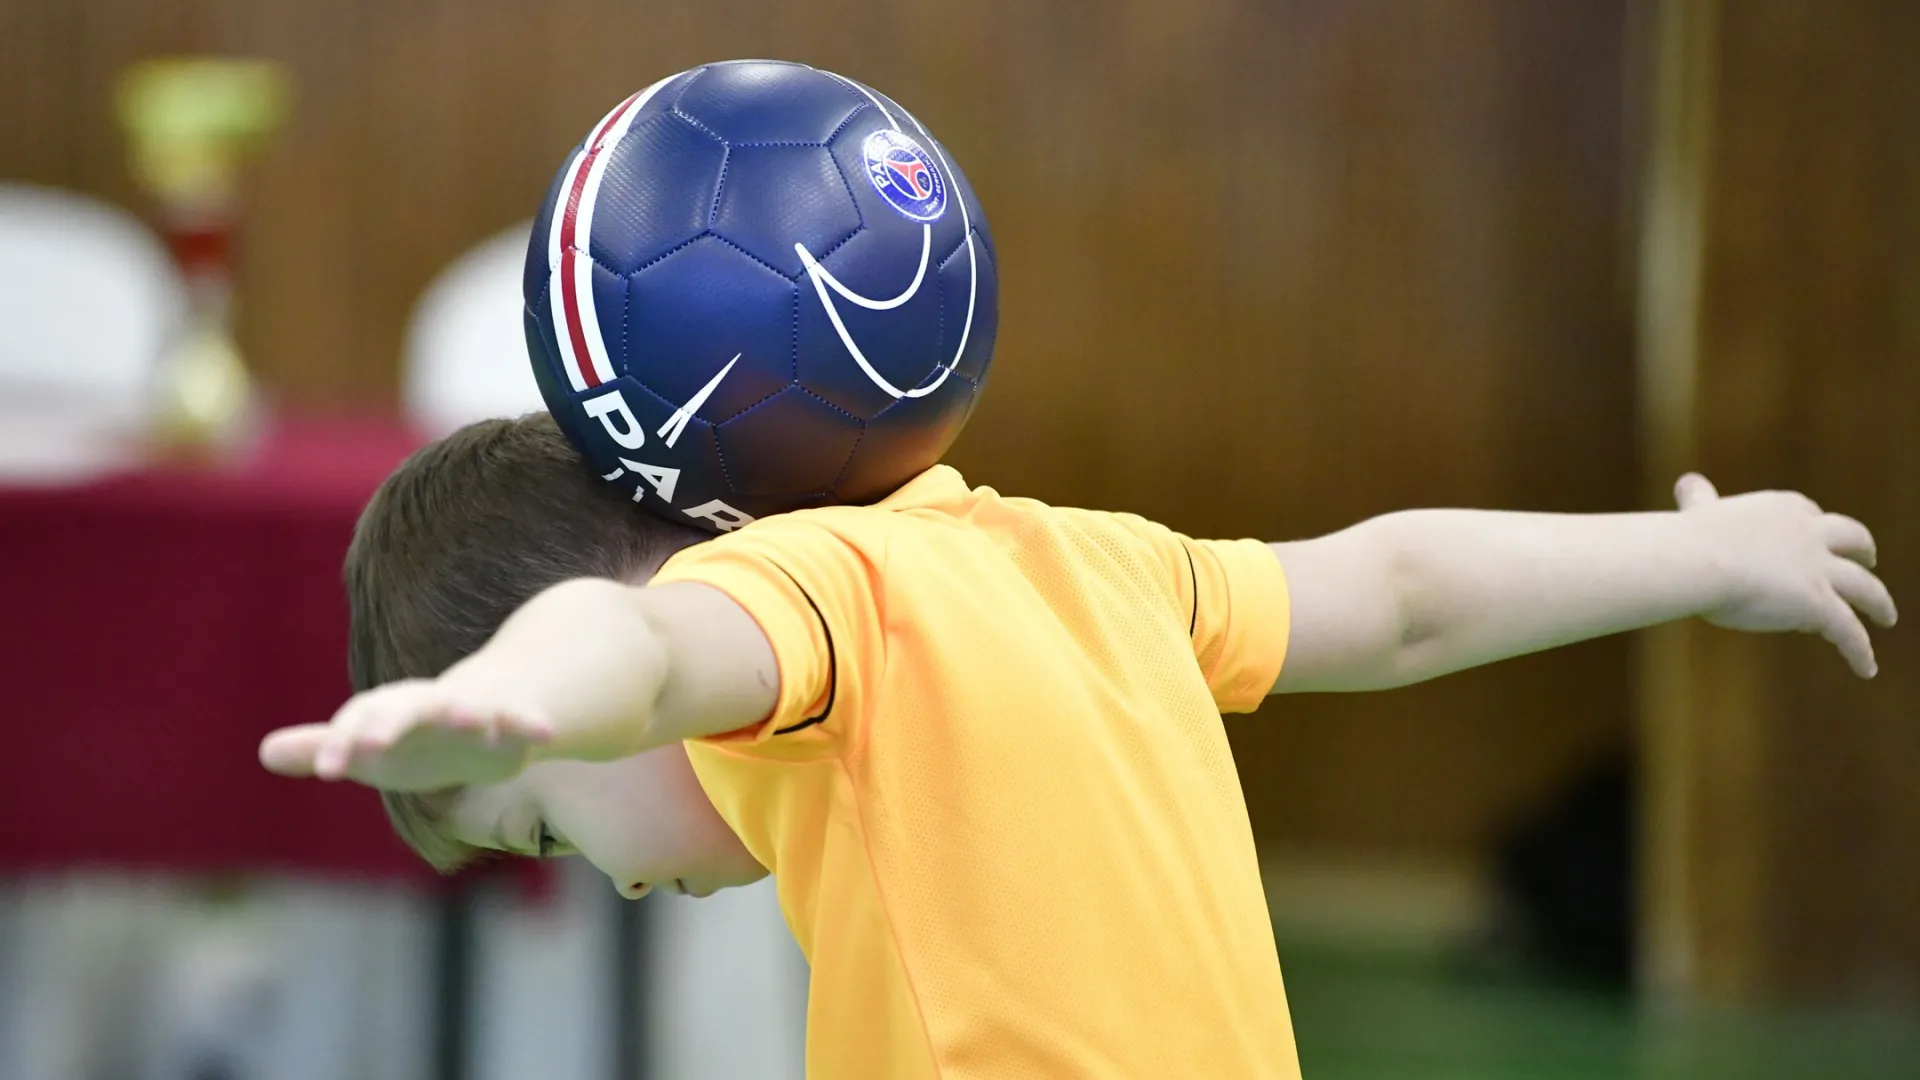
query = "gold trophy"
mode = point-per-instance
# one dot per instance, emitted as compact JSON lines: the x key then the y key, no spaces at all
{"x":191,"y":124}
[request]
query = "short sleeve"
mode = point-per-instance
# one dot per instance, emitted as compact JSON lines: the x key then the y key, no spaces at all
{"x":812,"y":592}
{"x":1241,"y":619}
{"x":1233,"y":596}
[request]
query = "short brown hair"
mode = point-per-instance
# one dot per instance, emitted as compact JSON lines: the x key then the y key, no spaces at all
{"x":464,"y":532}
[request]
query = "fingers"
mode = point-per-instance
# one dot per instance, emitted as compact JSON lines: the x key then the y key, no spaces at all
{"x":532,"y":730}
{"x":1849,"y":539}
{"x":290,"y":751}
{"x":380,"y":737}
{"x":492,"y":727}
{"x":343,"y":749}
{"x":1866,"y":593}
{"x":1845,"y":631}
{"x":366,"y":726}
{"x":1693,"y":490}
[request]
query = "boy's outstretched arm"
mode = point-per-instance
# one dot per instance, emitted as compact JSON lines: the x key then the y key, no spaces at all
{"x":589,"y":669}
{"x":1413,"y":595}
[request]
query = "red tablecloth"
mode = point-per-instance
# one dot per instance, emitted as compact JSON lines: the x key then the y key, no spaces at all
{"x":152,"y":627}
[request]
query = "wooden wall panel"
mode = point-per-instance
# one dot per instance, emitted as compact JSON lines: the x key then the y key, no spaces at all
{"x":1268,"y":266}
{"x":1788,"y":816}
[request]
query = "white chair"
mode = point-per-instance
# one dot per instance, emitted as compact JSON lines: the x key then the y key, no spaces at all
{"x":465,"y":353}
{"x":138,"y":975}
{"x":89,"y":301}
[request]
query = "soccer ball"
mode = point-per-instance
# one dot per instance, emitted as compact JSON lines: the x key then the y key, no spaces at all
{"x":758,"y":287}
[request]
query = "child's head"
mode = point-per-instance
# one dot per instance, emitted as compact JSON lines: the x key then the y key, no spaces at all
{"x":460,"y":536}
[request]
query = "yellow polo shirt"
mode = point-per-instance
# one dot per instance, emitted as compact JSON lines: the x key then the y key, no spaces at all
{"x":995,"y":793}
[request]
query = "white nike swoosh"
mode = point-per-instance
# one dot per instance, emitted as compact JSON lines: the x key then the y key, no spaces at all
{"x":677,"y":423}
{"x":823,"y":278}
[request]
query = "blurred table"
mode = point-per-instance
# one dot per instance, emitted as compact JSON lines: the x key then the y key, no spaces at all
{"x":159,"y":622}
{"x":156,"y":623}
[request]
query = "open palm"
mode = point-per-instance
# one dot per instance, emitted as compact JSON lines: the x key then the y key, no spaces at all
{"x":408,"y":736}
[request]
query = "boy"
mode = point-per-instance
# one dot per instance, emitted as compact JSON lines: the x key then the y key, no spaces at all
{"x":976,"y":739}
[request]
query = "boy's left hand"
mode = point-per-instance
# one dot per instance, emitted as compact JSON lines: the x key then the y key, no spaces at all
{"x":1789,"y":566}
{"x":416,"y":735}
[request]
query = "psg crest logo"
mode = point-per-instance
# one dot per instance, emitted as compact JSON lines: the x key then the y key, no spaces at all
{"x":905,"y":175}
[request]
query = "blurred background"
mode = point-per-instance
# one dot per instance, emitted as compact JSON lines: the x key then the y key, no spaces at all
{"x":1269,"y":266}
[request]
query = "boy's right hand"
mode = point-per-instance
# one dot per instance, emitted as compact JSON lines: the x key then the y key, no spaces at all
{"x":415,"y":735}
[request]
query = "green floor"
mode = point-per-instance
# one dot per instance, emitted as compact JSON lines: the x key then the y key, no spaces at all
{"x":1361,"y":1015}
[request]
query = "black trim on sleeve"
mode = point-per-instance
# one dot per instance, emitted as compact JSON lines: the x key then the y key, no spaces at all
{"x":1193,"y":621}
{"x":833,"y":666}
{"x":801,"y":726}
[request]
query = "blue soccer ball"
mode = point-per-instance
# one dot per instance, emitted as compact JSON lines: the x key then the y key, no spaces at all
{"x":758,"y":287}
